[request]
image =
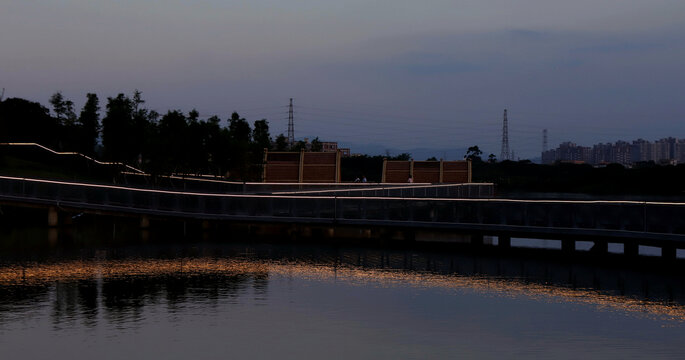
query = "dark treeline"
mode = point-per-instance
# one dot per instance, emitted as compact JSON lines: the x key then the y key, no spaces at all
{"x":174,"y":142}
{"x":614,"y":179}
{"x":365,"y":166}
{"x":124,"y":130}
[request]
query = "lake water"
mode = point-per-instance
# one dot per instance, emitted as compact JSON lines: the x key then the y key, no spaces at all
{"x":239,"y":301}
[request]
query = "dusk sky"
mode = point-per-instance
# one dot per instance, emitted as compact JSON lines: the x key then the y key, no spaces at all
{"x":395,"y":74}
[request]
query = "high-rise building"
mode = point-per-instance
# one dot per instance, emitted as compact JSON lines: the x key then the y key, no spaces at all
{"x":663,"y":151}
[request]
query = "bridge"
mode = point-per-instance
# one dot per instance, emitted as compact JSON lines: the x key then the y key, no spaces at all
{"x":417,"y":212}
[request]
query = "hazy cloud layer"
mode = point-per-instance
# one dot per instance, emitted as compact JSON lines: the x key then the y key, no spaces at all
{"x":394,"y":73}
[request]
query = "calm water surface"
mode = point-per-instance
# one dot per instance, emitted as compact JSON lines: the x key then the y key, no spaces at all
{"x":213,"y":301}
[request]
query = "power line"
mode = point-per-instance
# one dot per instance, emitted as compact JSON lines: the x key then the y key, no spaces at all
{"x":429,"y":128}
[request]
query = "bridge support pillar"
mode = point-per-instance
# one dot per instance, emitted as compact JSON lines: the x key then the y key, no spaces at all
{"x":53,"y":224}
{"x":504,"y":241}
{"x":53,"y":235}
{"x":568,"y":245}
{"x":205,"y":230}
{"x":144,"y":222}
{"x":53,"y":217}
{"x":668,"y":252}
{"x":306,"y":231}
{"x":144,"y":228}
{"x":631,"y":249}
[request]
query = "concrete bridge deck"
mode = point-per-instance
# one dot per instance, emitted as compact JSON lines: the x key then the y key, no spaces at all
{"x":632,"y":223}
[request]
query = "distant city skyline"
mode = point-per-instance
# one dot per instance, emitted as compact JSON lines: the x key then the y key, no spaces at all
{"x":387,"y":74}
{"x":668,"y":150}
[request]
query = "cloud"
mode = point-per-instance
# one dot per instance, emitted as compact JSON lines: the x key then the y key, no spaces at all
{"x":622,"y":46}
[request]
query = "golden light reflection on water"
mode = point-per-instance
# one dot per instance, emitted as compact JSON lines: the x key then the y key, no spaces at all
{"x":41,"y":273}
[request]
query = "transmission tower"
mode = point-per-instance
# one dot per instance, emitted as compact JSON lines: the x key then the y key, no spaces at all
{"x":544,"y":140}
{"x":505,"y":155}
{"x":291,"y":126}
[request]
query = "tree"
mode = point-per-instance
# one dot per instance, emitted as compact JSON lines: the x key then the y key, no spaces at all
{"x":281,"y":143}
{"x":89,"y":123}
{"x":299,"y":146}
{"x":239,"y":129}
{"x":402,"y":156}
{"x":492,"y":158}
{"x":27,"y":121}
{"x":193,"y":116}
{"x":143,"y":129}
{"x":473,"y":153}
{"x":432,"y":158}
{"x":63,"y":109}
{"x":173,"y":146}
{"x":239,"y":144}
{"x":215,"y":139}
{"x":317,"y":146}
{"x":69,"y":133}
{"x":260,"y":134}
{"x":137,"y":100}
{"x":261,"y":139}
{"x":197,"y":150}
{"x":69,"y":114}
{"x":57,"y":101}
{"x":118,"y":129}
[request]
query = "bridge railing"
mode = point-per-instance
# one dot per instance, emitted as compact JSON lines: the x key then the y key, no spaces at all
{"x":454,"y":191}
{"x":625,"y":217}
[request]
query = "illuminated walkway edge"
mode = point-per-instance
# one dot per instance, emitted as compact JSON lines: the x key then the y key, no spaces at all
{"x":631,"y":223}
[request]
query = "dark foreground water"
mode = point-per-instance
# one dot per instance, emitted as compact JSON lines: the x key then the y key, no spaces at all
{"x":209,"y":301}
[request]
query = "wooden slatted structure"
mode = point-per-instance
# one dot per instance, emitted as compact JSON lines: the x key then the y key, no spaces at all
{"x":456,"y":171}
{"x":427,"y":171}
{"x":397,"y":171}
{"x":302,"y":167}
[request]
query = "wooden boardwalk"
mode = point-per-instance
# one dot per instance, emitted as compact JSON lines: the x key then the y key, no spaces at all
{"x":631,"y":223}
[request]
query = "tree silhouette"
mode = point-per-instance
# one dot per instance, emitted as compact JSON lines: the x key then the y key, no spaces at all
{"x":63,"y":109}
{"x":70,"y":133}
{"x":281,"y":143}
{"x":260,"y":134}
{"x":118,"y":129}
{"x":473,"y":153}
{"x":89,"y":122}
{"x":317,"y":146}
{"x":132,"y":134}
{"x":299,"y":146}
{"x":402,"y":156}
{"x":215,"y":140}
{"x":174,"y":142}
{"x":27,"y":121}
{"x":240,"y":136}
